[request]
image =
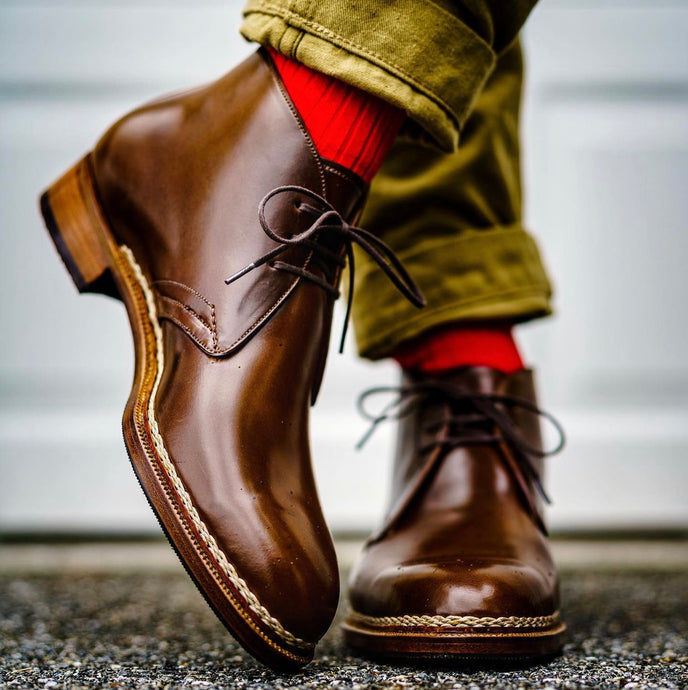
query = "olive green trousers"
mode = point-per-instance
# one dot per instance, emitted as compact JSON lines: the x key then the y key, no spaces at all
{"x":451,"y":212}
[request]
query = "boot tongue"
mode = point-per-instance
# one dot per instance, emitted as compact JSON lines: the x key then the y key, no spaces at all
{"x":421,"y":427}
{"x":489,"y":382}
{"x":471,"y":379}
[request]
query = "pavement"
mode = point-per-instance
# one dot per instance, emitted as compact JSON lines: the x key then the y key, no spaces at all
{"x":126,"y":615}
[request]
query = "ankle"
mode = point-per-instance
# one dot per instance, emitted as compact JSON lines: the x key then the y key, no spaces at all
{"x":348,"y":126}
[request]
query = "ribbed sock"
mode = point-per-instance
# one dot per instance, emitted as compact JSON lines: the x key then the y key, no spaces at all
{"x":458,"y":346}
{"x":348,"y":126}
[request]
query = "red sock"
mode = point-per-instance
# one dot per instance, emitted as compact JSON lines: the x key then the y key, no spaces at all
{"x":458,"y":346}
{"x":348,"y":126}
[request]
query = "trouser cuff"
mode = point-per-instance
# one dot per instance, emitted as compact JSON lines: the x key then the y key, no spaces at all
{"x":493,"y":274}
{"x":379,"y":48}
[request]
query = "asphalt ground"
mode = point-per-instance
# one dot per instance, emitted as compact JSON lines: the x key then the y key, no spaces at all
{"x":106,"y":616}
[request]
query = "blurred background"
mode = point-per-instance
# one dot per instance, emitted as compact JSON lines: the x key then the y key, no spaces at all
{"x":606,"y":164}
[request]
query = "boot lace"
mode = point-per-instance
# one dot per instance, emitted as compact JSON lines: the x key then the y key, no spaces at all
{"x":475,"y":419}
{"x":328,"y":221}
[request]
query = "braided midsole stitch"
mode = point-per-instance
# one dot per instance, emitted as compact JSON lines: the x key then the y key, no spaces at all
{"x":456,"y":621}
{"x":209,"y":540}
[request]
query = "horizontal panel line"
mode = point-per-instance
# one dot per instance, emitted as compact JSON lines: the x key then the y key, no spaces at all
{"x":81,"y":90}
{"x":59,"y":89}
{"x":621,"y":92}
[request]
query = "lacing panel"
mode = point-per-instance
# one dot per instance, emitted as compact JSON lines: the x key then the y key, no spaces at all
{"x":327,"y":221}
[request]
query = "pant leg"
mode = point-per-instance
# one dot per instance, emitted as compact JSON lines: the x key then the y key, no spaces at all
{"x":430,"y":58}
{"x":455,"y":222}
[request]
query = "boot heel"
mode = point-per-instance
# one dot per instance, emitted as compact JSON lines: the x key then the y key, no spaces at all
{"x":76,"y":223}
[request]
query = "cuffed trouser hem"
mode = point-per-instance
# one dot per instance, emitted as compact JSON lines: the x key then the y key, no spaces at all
{"x":379,"y":48}
{"x":493,"y":274}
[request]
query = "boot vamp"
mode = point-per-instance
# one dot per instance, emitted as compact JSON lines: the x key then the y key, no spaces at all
{"x":465,"y":546}
{"x":236,"y":431}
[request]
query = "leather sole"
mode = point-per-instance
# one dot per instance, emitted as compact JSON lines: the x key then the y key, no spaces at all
{"x":96,"y":263}
{"x":455,"y":638}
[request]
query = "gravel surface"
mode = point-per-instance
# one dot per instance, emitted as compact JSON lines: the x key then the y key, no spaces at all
{"x":153,"y":630}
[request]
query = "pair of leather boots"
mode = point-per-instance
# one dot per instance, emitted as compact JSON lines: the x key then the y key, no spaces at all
{"x":211,"y":216}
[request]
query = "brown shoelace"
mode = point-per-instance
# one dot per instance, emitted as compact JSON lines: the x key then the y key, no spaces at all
{"x":476,"y":419}
{"x":327,"y":220}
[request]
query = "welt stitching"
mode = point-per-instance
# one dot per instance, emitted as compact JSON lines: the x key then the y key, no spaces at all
{"x":459,"y":621}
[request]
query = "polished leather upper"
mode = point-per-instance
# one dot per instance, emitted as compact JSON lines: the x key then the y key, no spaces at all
{"x":463,"y":534}
{"x":181,"y":181}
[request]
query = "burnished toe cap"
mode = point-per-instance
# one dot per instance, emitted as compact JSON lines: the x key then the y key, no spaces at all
{"x":478,"y":588}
